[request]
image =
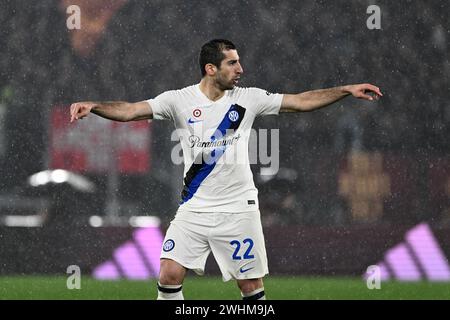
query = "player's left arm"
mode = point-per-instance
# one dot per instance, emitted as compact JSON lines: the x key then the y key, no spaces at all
{"x":315,"y":99}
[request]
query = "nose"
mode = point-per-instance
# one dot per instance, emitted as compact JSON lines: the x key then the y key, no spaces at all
{"x":239,"y":69}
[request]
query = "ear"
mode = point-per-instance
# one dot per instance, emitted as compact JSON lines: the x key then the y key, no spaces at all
{"x":210,"y":69}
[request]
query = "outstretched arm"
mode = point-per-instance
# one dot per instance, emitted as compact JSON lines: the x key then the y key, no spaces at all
{"x":312,"y":100}
{"x":113,"y":110}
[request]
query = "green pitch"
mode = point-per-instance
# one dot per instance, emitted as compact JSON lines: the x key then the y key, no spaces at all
{"x":288,"y":288}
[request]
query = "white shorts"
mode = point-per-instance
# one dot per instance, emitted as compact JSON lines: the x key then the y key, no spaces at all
{"x":235,"y":239}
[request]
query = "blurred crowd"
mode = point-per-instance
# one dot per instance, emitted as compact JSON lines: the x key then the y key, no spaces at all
{"x":134,"y":50}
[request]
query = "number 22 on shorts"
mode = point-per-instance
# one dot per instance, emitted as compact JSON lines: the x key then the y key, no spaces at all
{"x":247,"y":254}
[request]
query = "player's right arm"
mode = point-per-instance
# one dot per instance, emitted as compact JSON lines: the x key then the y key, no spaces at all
{"x":113,"y":110}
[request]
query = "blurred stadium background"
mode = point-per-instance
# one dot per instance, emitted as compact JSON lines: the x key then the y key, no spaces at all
{"x":359,"y":183}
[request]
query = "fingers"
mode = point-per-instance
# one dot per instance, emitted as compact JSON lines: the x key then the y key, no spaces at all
{"x":363,"y":91}
{"x":373,"y":88}
{"x":77,"y":111}
{"x":365,"y":96}
{"x":73,"y":111}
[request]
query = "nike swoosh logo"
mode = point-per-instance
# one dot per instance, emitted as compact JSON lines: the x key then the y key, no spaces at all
{"x":190,"y":121}
{"x":242,"y":270}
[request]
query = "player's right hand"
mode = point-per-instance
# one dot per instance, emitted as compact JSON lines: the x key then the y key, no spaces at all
{"x":79,"y":110}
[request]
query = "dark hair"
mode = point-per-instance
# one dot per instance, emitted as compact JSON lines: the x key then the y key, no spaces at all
{"x":211,"y":52}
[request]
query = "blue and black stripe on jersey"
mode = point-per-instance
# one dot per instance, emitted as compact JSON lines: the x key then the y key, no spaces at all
{"x":202,"y":167}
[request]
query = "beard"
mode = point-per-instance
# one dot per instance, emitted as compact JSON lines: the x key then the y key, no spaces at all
{"x":224,"y":84}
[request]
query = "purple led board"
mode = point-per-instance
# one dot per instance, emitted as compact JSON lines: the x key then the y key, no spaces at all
{"x":402,"y":264}
{"x":150,"y":241}
{"x":384,"y":273}
{"x":428,"y":253}
{"x":419,"y":257}
{"x":106,"y":271}
{"x":136,"y":259}
{"x":130,"y":261}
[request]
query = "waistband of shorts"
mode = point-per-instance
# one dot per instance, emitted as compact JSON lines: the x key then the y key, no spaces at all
{"x":216,"y":212}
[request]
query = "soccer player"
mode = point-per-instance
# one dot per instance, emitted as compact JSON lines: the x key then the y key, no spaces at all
{"x":218,"y":210}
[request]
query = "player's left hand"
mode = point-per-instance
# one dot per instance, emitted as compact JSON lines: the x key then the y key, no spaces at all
{"x":365,"y":91}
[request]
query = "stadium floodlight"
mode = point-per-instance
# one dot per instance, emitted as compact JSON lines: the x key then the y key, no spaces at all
{"x":23,"y":221}
{"x":58,"y":176}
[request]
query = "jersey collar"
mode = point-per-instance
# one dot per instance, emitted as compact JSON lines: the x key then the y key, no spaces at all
{"x":207,"y":100}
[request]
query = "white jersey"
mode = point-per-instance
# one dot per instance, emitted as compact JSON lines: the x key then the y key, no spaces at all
{"x":214,"y":136}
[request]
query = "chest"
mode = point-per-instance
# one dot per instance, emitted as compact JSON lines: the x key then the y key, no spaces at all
{"x":229,"y":114}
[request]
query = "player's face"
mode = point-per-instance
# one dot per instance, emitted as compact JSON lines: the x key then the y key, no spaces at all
{"x":230,"y":70}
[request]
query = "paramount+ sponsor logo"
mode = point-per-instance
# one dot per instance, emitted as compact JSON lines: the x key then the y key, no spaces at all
{"x":195,"y":141}
{"x":244,"y":147}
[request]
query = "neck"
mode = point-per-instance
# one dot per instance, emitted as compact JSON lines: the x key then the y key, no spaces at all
{"x":209,"y":89}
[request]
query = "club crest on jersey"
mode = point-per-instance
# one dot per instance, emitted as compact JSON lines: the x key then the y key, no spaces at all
{"x":233,"y":116}
{"x":197,"y":113}
{"x":168,"y":245}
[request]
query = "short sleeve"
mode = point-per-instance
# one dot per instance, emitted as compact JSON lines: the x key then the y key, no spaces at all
{"x":266,"y":103}
{"x":162,"y":106}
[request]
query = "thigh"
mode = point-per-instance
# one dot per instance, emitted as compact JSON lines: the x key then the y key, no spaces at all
{"x":186,"y":242}
{"x":239,"y":248}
